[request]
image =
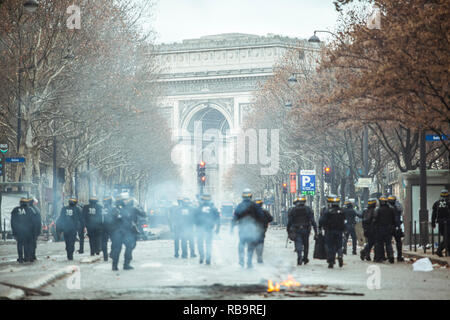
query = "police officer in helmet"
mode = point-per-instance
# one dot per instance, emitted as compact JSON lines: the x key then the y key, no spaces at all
{"x":333,"y":222}
{"x":441,"y":215}
{"x":384,"y":221}
{"x":22,"y":229}
{"x":69,"y":222}
{"x":206,"y":219}
{"x":398,"y":233}
{"x":368,"y":228}
{"x":246,"y":217}
{"x":300,"y":220}
{"x":350,"y":222}
{"x":92,"y":214}
{"x":263,"y":225}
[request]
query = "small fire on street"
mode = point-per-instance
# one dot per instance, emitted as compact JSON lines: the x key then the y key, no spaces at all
{"x":288,"y":283}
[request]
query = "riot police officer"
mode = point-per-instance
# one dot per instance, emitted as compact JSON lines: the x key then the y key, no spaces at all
{"x":300,"y":220}
{"x":186,"y":221}
{"x":441,"y":215}
{"x":124,"y":230}
{"x":175,"y":225}
{"x":333,"y":222}
{"x":69,"y":221}
{"x":81,"y":230}
{"x":37,"y":224}
{"x":22,"y":229}
{"x":106,"y":225}
{"x":92,"y":214}
{"x":263,"y":225}
{"x":350,"y":222}
{"x":246,"y":216}
{"x":369,"y":228}
{"x":398,"y":233}
{"x":206,"y":219}
{"x":384,"y":222}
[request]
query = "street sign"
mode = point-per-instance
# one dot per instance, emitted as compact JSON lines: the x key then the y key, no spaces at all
{"x":3,"y":148}
{"x":363,"y":183}
{"x":15,"y":160}
{"x":435,"y":137}
{"x":308,"y":182}
{"x":293,"y":182}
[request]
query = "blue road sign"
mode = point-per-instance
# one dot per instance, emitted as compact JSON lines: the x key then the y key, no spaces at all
{"x":307,"y":182}
{"x":435,"y":137}
{"x":15,"y":160}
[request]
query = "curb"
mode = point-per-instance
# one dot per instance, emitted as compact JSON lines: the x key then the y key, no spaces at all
{"x":432,"y":259}
{"x":16,"y":294}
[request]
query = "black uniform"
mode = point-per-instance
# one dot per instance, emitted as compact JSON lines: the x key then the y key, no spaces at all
{"x":69,"y":221}
{"x":206,"y":218}
{"x":124,"y":231}
{"x":333,"y":222}
{"x":175,"y":227}
{"x":300,"y":220}
{"x":92,"y":214}
{"x":22,"y":228}
{"x":350,"y":222}
{"x":263,"y":225}
{"x":81,"y":231}
{"x":369,"y":232}
{"x":185,"y":215}
{"x":398,"y":233}
{"x":384,"y":222}
{"x":246,"y":216}
{"x":441,"y":215}
{"x":37,"y":226}
{"x":106,"y":229}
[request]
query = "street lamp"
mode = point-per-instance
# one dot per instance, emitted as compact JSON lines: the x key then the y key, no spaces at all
{"x":31,"y":5}
{"x":315,"y":39}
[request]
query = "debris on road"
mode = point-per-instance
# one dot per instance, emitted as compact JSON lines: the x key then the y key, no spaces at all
{"x":423,"y":264}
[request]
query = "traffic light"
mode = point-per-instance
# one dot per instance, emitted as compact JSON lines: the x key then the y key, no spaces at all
{"x":201,"y":173}
{"x":327,"y":174}
{"x":284,"y":188}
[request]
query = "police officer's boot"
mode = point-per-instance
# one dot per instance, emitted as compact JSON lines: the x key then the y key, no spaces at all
{"x":105,"y":256}
{"x":114,"y":266}
{"x":299,"y":261}
{"x":400,"y":259}
{"x":305,"y":260}
{"x":127,"y":267}
{"x":330,"y":265}
{"x":341,"y":262}
{"x":391,"y":259}
{"x":362,"y":254}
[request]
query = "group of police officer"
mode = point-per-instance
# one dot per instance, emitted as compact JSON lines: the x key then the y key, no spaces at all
{"x":380,"y":225}
{"x":118,"y":218}
{"x":200,"y":222}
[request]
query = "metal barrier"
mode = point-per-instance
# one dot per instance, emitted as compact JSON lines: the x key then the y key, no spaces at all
{"x":442,"y":238}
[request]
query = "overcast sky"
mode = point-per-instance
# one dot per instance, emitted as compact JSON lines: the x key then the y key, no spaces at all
{"x":175,"y":20}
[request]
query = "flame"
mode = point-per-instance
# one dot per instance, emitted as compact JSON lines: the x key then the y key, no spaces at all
{"x":289,"y":282}
{"x":271,"y":288}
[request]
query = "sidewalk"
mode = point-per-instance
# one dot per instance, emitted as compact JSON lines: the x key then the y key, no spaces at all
{"x":433,"y":257}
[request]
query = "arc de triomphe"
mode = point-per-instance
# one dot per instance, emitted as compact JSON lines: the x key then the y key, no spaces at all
{"x":208,"y":86}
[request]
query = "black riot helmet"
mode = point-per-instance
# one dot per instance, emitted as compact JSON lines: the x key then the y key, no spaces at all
{"x":23,"y":202}
{"x":300,"y":201}
{"x":372,"y":203}
{"x":107,"y":201}
{"x":93,"y":200}
{"x":348,"y":204}
{"x":73,"y":201}
{"x":383,"y":200}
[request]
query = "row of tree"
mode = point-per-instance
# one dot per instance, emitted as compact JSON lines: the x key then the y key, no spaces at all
{"x":392,"y":80}
{"x":91,"y":90}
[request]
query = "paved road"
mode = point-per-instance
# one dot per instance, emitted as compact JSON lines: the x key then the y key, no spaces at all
{"x":158,"y":275}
